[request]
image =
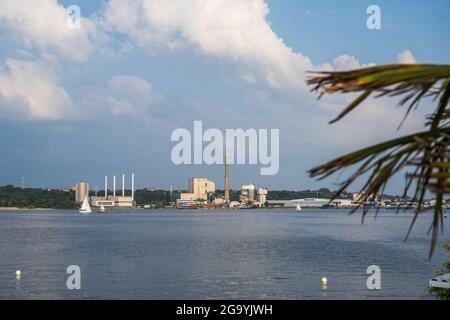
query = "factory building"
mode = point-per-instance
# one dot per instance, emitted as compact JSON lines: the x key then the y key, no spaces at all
{"x":81,"y":191}
{"x":248,"y":193}
{"x":114,"y":200}
{"x":262,"y":195}
{"x":252,"y":195}
{"x":198,"y":188}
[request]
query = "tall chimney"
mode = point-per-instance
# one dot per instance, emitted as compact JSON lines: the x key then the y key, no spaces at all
{"x":114,"y":185}
{"x":106,"y":186}
{"x":123,"y":185}
{"x":132,"y":186}
{"x":227,"y":187}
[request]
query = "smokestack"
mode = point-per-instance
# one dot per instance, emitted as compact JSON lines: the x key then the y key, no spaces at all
{"x":114,"y":185}
{"x":106,"y":186}
{"x":132,"y":186}
{"x":227,"y":187}
{"x":123,"y":185}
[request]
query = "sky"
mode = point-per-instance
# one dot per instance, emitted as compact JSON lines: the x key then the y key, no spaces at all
{"x":104,"y":99}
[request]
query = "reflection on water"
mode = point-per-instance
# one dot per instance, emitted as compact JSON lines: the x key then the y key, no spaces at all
{"x":247,"y":254}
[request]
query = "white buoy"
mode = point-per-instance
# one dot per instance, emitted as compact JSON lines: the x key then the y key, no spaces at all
{"x":18,"y":273}
{"x":324,"y":281}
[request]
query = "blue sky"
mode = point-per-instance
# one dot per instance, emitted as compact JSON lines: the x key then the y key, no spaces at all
{"x":104,"y":99}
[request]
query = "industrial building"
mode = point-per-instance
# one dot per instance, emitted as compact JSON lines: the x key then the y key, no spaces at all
{"x":199,"y":188}
{"x":81,"y":191}
{"x":114,"y":200}
{"x":262,"y":195}
{"x":227,"y":180}
{"x":313,"y":203}
{"x":250,"y":195}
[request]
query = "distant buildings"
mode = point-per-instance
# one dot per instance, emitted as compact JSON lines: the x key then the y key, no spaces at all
{"x":114,"y":200}
{"x":358,"y":196}
{"x":199,"y":191}
{"x":307,"y":203}
{"x":313,"y":203}
{"x":262,"y":195}
{"x":250,"y":195}
{"x":344,"y":203}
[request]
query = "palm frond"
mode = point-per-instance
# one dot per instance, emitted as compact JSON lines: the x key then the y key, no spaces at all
{"x":415,"y":81}
{"x":427,"y":152}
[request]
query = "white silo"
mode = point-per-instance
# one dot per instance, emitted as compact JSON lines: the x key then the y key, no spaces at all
{"x":81,"y":191}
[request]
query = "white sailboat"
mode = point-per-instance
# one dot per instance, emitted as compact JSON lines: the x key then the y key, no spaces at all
{"x":299,"y":208}
{"x":85,"y":207}
{"x":102,"y":209}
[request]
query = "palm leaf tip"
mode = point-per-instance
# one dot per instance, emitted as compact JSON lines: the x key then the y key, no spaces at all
{"x":414,"y":81}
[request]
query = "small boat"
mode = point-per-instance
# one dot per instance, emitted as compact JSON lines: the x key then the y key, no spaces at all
{"x":102,"y":209}
{"x":299,"y":208}
{"x":85,"y":207}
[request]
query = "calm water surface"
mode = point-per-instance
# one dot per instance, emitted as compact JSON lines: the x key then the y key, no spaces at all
{"x":243,"y":254}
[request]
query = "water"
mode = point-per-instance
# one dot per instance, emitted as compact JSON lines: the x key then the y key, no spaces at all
{"x":242,"y":254}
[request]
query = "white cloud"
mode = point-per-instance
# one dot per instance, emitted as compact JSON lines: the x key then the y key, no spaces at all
{"x":232,"y":30}
{"x":130,"y":95}
{"x":347,"y":62}
{"x":30,"y":90}
{"x":406,"y":57}
{"x":235,"y":30}
{"x":249,"y":77}
{"x":120,"y":107}
{"x":43,"y":24}
{"x":343,"y":62}
{"x":130,"y":83}
{"x":239,"y":32}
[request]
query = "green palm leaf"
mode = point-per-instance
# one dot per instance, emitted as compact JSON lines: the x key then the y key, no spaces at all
{"x":427,"y":153}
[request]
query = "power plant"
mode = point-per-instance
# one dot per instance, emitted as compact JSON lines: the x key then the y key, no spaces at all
{"x":113,"y":200}
{"x":251,"y":195}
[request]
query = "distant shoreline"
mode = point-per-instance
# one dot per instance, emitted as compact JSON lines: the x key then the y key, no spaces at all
{"x":27,"y":209}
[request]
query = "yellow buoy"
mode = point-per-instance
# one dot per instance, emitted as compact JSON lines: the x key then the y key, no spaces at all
{"x":18,"y":273}
{"x":324,"y":281}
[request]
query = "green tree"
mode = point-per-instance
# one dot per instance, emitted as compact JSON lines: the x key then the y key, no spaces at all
{"x":426,"y":154}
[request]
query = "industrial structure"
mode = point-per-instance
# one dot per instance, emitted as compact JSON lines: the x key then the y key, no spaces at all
{"x":306,"y":203}
{"x":227,"y":181}
{"x":252,"y":196}
{"x":199,"y":190}
{"x":313,"y":203}
{"x":114,"y":200}
{"x":81,"y":191}
{"x":248,"y":193}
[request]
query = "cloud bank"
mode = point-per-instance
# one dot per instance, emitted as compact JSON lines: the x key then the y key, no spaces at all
{"x":31,"y":90}
{"x":42,"y":24}
{"x":234,"y":30}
